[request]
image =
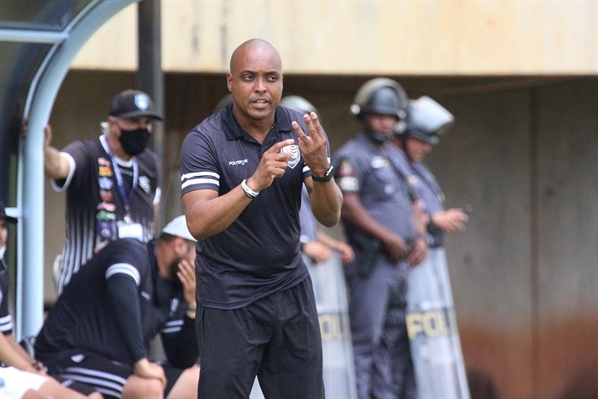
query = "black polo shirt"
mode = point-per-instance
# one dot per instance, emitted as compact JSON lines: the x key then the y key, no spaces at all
{"x":259,"y":253}
{"x":84,"y":318}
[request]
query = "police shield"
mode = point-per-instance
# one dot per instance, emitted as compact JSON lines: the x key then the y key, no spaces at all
{"x":331,"y":301}
{"x":432,"y":327}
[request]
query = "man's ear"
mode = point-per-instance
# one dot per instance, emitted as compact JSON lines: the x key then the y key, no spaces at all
{"x":229,"y":81}
{"x":179,"y":245}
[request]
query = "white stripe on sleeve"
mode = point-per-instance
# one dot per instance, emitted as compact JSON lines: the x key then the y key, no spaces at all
{"x":123,"y":268}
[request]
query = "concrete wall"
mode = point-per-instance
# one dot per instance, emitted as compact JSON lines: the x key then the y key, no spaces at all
{"x":366,"y":37}
{"x":524,"y":153}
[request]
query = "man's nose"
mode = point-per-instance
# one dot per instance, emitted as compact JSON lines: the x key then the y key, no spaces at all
{"x":260,"y":85}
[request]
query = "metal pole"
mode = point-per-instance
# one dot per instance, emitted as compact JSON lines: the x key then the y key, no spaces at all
{"x":29,"y":307}
{"x":150,"y":79}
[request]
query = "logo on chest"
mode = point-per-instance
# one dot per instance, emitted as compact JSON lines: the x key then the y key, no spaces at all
{"x":295,"y":154}
{"x":238,"y":162}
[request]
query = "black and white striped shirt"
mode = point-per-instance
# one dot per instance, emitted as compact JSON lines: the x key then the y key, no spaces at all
{"x":94,"y":205}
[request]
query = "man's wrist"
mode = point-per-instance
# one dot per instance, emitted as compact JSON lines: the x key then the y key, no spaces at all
{"x":431,"y":226}
{"x":248,"y":191}
{"x":328,"y":175}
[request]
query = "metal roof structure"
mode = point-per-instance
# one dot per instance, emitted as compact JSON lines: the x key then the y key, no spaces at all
{"x":38,"y":41}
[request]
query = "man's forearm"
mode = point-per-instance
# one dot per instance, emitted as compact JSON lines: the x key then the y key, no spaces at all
{"x":209,"y":216}
{"x":10,"y":357}
{"x":326,"y":202}
{"x":55,"y":165}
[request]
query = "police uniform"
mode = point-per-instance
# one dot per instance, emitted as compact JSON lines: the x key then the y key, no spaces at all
{"x":99,"y":188}
{"x":309,"y":230}
{"x":105,"y":318}
{"x":253,"y":271}
{"x":432,"y":197}
{"x":377,"y":288}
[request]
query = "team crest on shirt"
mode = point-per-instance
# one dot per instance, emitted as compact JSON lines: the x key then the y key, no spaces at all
{"x":144,"y":183}
{"x":103,"y":162}
{"x":77,"y":358}
{"x":295,"y":154}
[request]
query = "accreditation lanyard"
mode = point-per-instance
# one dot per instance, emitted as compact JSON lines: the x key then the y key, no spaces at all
{"x":121,"y":186}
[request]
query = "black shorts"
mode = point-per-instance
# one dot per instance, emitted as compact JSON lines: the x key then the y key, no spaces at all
{"x":87,"y":373}
{"x":276,"y":338}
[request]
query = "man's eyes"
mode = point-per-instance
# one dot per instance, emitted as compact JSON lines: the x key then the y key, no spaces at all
{"x":271,"y":78}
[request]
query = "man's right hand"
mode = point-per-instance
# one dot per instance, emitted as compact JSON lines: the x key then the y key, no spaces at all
{"x":452,"y":220}
{"x":47,"y":136}
{"x":395,"y":248}
{"x":318,"y":251}
{"x":146,"y":369}
{"x":272,"y":165}
{"x":55,"y":165}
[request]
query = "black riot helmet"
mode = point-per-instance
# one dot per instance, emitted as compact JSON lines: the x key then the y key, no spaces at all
{"x":224,"y":101}
{"x":298,"y":104}
{"x":427,"y":120}
{"x":380,"y":96}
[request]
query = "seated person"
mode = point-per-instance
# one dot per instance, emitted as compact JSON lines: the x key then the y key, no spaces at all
{"x":21,"y":376}
{"x":99,"y":330}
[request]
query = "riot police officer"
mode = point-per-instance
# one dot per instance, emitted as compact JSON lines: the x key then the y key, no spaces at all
{"x":437,"y":358}
{"x":378,"y":215}
{"x":426,"y":121}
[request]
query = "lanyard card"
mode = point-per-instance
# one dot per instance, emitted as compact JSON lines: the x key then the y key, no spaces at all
{"x":130,"y":230}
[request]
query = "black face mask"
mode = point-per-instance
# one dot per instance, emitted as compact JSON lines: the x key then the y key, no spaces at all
{"x":380,"y":137}
{"x":134,"y":141}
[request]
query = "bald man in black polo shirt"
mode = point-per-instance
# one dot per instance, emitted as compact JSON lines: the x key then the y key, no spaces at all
{"x":243,"y":169}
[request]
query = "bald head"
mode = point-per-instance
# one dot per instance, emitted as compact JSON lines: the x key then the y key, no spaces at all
{"x":255,"y":81}
{"x":253,"y":48}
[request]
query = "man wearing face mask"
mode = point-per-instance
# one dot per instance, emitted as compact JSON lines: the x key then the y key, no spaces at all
{"x":111,"y":182}
{"x":98,"y":331}
{"x":380,"y":218}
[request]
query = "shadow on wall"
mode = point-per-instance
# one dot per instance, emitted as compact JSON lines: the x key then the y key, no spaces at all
{"x":481,"y":385}
{"x":500,"y":365}
{"x":584,"y":385}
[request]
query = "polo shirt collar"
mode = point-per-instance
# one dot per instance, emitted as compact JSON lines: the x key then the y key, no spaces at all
{"x":233,"y":130}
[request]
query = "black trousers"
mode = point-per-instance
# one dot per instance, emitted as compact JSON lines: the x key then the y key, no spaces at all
{"x":276,"y":339}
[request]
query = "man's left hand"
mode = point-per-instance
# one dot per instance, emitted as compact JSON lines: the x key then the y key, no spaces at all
{"x":314,"y":148}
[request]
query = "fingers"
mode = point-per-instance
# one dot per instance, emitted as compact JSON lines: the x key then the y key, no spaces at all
{"x":186,"y":275}
{"x":313,"y":124}
{"x":313,"y":127}
{"x":48,"y":134}
{"x":276,"y":147}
